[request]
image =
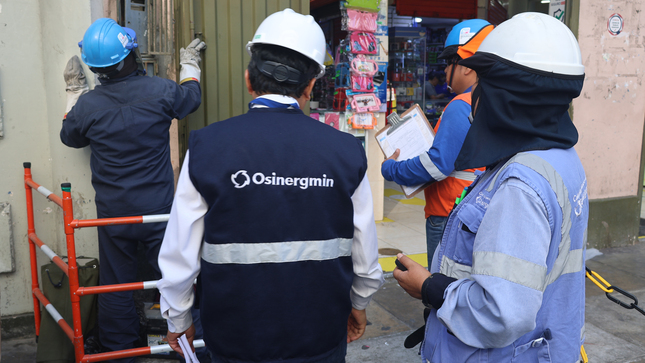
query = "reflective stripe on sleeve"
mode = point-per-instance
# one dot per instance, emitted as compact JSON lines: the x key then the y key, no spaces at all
{"x":432,"y":169}
{"x":509,"y":268}
{"x":454,"y":269}
{"x":276,"y":252}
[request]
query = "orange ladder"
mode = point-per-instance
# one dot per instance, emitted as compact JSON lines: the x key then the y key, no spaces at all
{"x":71,"y":270}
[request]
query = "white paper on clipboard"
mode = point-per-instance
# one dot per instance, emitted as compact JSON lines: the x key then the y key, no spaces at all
{"x":412,"y":137}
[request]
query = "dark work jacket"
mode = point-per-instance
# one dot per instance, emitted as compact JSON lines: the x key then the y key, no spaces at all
{"x":126,"y":123}
{"x":275,"y":180}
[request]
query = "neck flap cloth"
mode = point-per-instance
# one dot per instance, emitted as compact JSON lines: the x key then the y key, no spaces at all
{"x":519,"y":109}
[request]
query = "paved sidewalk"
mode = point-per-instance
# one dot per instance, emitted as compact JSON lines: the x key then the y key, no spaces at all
{"x":614,"y":334}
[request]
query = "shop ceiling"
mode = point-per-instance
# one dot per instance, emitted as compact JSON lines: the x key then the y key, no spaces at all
{"x":453,"y":9}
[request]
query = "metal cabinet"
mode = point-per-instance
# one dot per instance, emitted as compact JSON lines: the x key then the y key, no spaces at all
{"x":407,"y":66}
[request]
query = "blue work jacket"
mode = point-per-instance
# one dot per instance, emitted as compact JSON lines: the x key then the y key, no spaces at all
{"x":126,"y":123}
{"x":515,"y":245}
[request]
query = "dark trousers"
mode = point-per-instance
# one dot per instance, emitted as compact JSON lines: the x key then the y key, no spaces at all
{"x":337,"y":356}
{"x":118,"y":321}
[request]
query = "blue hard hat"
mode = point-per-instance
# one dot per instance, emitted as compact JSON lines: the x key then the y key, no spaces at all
{"x":106,"y":43}
{"x":461,"y":34}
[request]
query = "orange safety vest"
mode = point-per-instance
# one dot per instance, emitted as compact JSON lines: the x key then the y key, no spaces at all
{"x":441,"y":195}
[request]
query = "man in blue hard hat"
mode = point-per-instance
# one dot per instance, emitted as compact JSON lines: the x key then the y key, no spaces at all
{"x":436,"y":165}
{"x":126,"y":120}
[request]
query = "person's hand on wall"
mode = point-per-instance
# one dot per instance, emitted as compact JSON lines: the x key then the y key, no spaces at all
{"x":189,"y":59}
{"x":76,"y":84}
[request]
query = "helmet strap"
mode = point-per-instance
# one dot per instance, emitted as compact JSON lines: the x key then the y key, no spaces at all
{"x":280,"y":72}
{"x":140,"y":66}
{"x":452,"y":74}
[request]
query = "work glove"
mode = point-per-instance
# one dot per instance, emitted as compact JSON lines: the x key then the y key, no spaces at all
{"x":189,"y":59}
{"x":76,"y":84}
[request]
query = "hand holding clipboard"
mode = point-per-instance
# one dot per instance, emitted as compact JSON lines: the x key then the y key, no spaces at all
{"x":410,"y":133}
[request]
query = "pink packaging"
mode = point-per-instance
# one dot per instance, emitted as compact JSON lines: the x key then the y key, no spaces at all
{"x":332,"y":119}
{"x":363,"y":43}
{"x":361,"y":21}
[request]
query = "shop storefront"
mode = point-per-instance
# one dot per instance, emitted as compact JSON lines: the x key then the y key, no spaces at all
{"x":393,"y":70}
{"x":410,"y":36}
{"x":383,"y":58}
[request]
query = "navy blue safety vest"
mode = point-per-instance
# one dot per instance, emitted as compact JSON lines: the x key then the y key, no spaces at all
{"x":276,"y":268}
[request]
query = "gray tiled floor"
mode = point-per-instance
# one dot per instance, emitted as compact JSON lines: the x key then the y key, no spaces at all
{"x":403,"y":227}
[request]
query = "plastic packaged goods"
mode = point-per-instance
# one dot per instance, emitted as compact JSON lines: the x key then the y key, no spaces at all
{"x":366,"y":5}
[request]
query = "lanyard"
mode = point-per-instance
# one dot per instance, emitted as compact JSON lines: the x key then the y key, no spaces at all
{"x":261,"y":102}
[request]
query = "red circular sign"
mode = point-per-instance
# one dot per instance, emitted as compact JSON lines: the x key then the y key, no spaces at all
{"x":615,"y":24}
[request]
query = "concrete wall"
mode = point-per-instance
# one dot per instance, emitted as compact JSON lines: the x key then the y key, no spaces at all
{"x":609,"y":115}
{"x":36,"y":40}
{"x":611,"y":109}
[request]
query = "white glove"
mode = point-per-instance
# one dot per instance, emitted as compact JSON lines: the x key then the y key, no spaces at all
{"x":189,"y":59}
{"x":75,"y":81}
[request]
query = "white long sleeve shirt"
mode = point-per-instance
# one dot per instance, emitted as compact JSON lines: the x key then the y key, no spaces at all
{"x":180,"y":253}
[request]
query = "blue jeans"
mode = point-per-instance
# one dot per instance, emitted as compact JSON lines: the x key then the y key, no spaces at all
{"x":434,"y":232}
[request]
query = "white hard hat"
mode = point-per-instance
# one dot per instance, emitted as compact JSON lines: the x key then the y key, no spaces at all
{"x":537,"y":41}
{"x":294,"y":31}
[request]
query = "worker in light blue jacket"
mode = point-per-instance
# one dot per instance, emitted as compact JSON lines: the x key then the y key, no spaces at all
{"x":507,"y":282}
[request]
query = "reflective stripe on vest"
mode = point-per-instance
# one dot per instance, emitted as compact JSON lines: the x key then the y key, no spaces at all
{"x":463,"y":175}
{"x":276,"y":252}
{"x":517,"y":270}
{"x":437,"y":175}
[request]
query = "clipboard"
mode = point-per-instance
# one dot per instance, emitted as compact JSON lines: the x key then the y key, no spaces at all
{"x":412,"y":134}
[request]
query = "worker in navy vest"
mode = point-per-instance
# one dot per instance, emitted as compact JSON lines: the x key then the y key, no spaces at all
{"x":126,"y":121}
{"x":274,"y":212}
{"x":508,"y":281}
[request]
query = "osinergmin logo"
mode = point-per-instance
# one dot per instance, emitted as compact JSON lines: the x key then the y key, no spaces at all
{"x":241,"y":179}
{"x":245,"y":176}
